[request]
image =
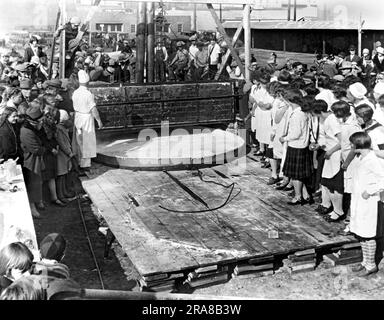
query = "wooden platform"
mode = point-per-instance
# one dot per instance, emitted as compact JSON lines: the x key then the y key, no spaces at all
{"x":178,"y":238}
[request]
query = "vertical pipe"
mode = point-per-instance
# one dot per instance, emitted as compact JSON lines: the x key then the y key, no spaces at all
{"x":140,"y":42}
{"x":284,"y":45}
{"x":221,"y":13}
{"x":150,"y":41}
{"x":194,"y":15}
{"x":289,"y":10}
{"x":247,"y":39}
{"x":294,"y":10}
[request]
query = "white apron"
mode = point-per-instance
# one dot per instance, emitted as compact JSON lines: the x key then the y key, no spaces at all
{"x":85,"y":135}
{"x":368,"y":175}
{"x":84,"y":138}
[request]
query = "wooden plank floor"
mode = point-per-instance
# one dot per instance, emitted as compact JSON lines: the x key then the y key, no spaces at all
{"x":175,"y":221}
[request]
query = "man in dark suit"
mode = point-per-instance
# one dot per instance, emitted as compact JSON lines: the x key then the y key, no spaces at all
{"x":353,"y":57}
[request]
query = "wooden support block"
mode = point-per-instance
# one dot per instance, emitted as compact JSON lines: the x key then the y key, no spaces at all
{"x":145,"y":284}
{"x":300,"y":263}
{"x":305,"y":252}
{"x":336,"y":261}
{"x":195,"y":275}
{"x":300,"y":270}
{"x":155,"y":277}
{"x":206,"y":269}
{"x":241,"y":269}
{"x":252,"y":275}
{"x":294,"y":258}
{"x":210,"y":280}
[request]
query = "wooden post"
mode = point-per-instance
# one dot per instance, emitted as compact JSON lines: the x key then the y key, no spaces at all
{"x":284,"y":45}
{"x":63,"y":10}
{"x":226,"y":56}
{"x":140,"y":42}
{"x":324,"y":47}
{"x":226,"y":38}
{"x":194,"y":17}
{"x":150,"y":42}
{"x":247,"y":39}
{"x":294,"y":10}
{"x":289,"y":10}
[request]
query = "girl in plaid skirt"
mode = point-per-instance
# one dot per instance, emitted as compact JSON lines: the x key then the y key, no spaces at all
{"x":298,"y":164}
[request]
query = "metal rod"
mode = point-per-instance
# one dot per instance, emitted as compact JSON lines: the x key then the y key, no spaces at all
{"x":130,"y":295}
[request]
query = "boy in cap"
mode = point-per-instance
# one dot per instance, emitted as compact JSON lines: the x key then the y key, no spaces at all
{"x":84,"y":138}
{"x":214,"y":54}
{"x":179,"y":65}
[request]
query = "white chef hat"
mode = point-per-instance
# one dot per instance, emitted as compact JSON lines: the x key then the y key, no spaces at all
{"x":83,"y":77}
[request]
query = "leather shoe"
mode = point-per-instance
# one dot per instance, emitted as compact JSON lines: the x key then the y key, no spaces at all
{"x":272,"y":181}
{"x":295,"y":202}
{"x":366,"y":273}
{"x":282,"y":186}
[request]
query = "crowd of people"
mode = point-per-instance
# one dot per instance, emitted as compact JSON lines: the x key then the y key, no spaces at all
{"x":320,"y":130}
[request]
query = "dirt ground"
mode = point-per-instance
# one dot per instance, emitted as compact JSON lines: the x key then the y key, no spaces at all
{"x":324,"y":283}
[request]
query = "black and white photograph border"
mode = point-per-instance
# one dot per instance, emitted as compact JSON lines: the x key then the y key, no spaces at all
{"x":191,"y":150}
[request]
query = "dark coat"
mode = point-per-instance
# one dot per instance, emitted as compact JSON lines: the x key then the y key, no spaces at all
{"x":379,"y":67}
{"x":28,"y":54}
{"x":33,"y":149}
{"x":355,"y":58}
{"x":8,"y":142}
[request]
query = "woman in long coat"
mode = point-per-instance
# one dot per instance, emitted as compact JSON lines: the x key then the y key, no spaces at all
{"x":9,"y":145}
{"x":33,"y":150}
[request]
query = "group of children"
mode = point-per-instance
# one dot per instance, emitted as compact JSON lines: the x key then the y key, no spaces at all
{"x":324,"y":139}
{"x":25,"y":277}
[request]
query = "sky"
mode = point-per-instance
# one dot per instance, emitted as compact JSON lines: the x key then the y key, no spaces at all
{"x":36,"y":12}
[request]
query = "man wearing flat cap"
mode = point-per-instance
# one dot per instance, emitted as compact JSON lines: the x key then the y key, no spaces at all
{"x":352,"y":57}
{"x":71,"y":31}
{"x":179,"y":66}
{"x":84,"y":137}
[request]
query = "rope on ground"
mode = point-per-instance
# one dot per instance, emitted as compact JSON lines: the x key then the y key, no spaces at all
{"x":89,"y":242}
{"x":229,"y":198}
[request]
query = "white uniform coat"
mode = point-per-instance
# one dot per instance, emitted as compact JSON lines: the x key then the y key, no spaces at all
{"x":84,"y":139}
{"x":368,"y":175}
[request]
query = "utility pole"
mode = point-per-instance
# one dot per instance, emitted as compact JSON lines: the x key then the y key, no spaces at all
{"x":289,"y":10}
{"x":150,"y":41}
{"x":140,"y":41}
{"x":247,"y":39}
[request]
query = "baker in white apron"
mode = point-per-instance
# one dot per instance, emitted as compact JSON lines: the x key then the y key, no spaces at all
{"x":84,"y":137}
